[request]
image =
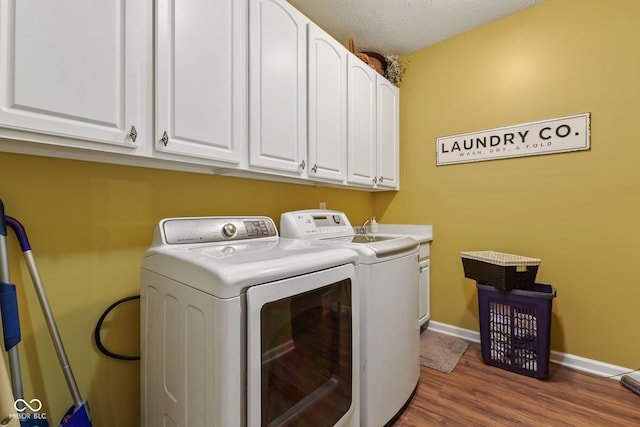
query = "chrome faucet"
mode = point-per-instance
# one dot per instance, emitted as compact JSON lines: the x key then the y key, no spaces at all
{"x":363,"y":227}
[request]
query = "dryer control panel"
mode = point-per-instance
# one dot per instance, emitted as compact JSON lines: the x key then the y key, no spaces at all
{"x":177,"y":231}
{"x":315,"y":224}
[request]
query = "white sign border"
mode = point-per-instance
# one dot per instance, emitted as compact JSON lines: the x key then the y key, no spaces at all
{"x":583,"y":143}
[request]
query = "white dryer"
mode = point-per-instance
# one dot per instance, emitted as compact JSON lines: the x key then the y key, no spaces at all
{"x":388,"y":275}
{"x":242,"y":328}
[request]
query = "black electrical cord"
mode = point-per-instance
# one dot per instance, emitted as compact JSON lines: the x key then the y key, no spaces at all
{"x":96,"y":335}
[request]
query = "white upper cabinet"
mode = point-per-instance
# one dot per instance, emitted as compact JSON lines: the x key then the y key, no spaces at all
{"x":327,"y":123}
{"x":202,"y":78}
{"x":373,"y":128}
{"x":388,"y":134}
{"x":76,"y":70}
{"x":362,"y":125}
{"x":245,"y":87}
{"x":278,"y":87}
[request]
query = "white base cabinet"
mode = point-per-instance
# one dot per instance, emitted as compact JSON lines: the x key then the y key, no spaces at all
{"x":424,"y":288}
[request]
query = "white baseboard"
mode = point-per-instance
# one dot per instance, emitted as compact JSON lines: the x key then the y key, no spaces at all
{"x":578,"y":363}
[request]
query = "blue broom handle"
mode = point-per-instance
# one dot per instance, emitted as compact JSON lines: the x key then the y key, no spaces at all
{"x":4,"y":258}
{"x":3,"y":225}
{"x":46,"y":309}
{"x":14,"y":357}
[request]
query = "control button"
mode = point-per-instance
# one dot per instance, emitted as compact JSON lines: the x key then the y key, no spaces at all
{"x":229,"y":230}
{"x":337,"y":219}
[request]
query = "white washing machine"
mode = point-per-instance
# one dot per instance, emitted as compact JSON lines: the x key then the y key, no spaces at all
{"x":242,"y":328}
{"x":389,"y":279}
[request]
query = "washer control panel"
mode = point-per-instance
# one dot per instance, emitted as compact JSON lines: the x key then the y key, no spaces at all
{"x":315,"y":224}
{"x":177,"y":231}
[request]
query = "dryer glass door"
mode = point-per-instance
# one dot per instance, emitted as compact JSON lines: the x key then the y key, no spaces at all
{"x":301,"y":350}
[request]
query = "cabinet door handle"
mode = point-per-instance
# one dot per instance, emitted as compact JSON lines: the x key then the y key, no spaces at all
{"x":165,"y":138}
{"x":381,"y":179}
{"x":303,"y":164}
{"x":314,"y":169}
{"x":133,"y":134}
{"x":375,"y":180}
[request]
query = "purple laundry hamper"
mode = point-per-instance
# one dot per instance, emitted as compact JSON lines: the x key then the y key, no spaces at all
{"x":515,"y":328}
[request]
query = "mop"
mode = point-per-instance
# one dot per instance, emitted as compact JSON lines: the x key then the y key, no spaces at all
{"x":7,"y":410}
{"x":11,"y":331}
{"x":78,"y":414}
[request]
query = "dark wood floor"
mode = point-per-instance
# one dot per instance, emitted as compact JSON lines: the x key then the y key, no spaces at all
{"x":476,"y":394}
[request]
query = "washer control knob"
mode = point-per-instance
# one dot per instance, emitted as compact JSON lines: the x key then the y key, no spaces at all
{"x":337,"y":219}
{"x":229,"y":230}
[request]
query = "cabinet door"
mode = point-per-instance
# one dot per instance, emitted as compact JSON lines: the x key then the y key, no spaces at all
{"x":75,"y":69}
{"x":327,"y":106}
{"x":278,"y":90}
{"x":201,"y":78}
{"x":424,"y":291}
{"x":388,"y":134}
{"x":361,"y":113}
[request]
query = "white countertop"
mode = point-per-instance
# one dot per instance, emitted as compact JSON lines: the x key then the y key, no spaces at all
{"x":421,"y":233}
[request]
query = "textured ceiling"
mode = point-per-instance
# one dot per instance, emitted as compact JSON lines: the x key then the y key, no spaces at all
{"x":403,"y":26}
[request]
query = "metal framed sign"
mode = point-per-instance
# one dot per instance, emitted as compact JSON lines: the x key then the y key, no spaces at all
{"x":560,"y":135}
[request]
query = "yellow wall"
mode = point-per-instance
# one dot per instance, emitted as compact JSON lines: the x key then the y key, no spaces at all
{"x":89,"y":225}
{"x":578,"y":212}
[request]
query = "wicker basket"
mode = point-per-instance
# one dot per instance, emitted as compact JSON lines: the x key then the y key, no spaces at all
{"x":504,"y":271}
{"x":372,"y":59}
